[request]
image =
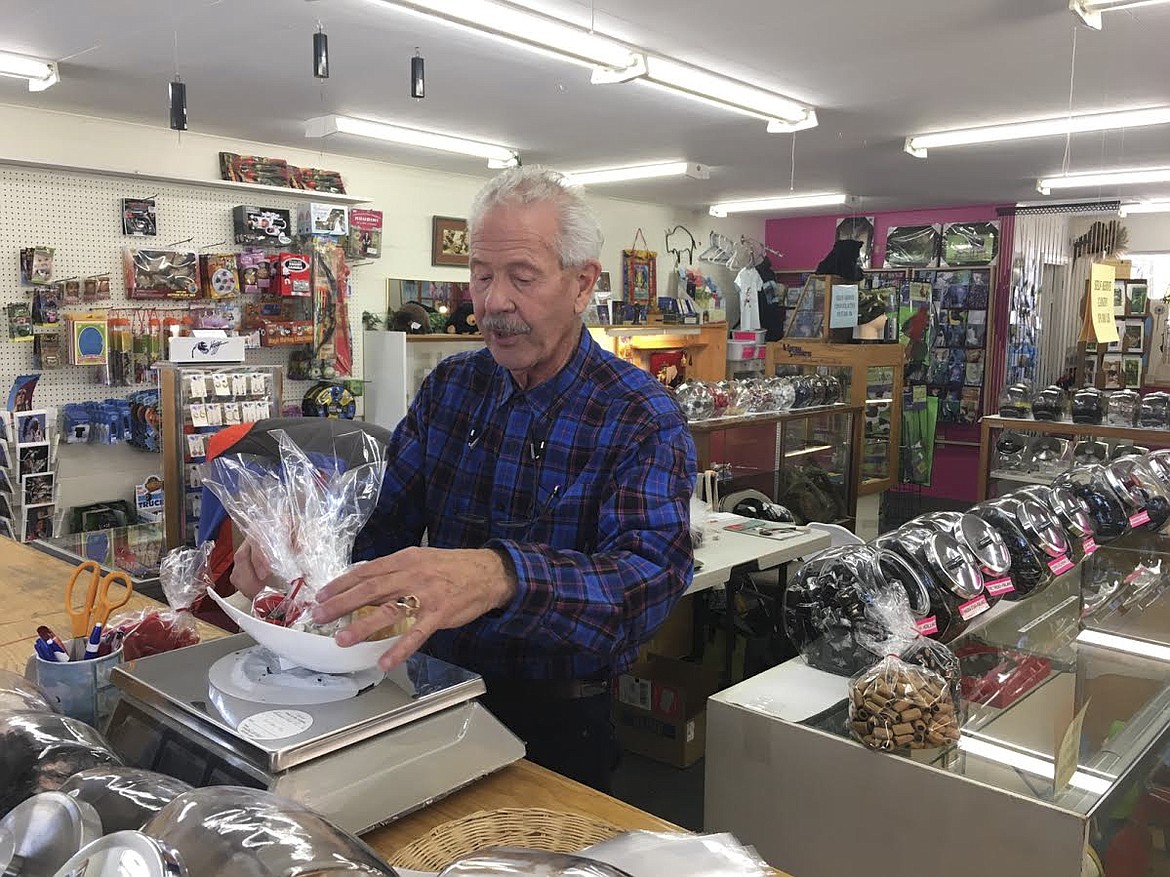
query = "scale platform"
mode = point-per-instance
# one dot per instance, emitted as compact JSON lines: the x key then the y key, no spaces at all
{"x":360,"y":751}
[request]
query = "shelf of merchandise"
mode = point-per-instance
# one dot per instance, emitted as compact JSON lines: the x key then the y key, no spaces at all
{"x":231,"y":185}
{"x":1021,"y":477}
{"x":994,"y":423}
{"x":705,"y":345}
{"x":762,"y":447}
{"x":853,"y":365}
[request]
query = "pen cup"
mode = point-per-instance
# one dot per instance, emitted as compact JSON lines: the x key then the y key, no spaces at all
{"x":80,"y":689}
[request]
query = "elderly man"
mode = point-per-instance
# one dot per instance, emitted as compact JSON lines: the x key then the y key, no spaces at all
{"x":552,"y":482}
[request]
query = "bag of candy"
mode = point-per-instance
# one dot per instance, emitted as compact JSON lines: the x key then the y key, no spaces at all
{"x":183,"y":575}
{"x":899,"y":705}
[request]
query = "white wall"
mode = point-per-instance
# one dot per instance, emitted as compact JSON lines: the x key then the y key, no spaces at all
{"x":408,"y":197}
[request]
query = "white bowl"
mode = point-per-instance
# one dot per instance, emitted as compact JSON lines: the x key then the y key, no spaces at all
{"x":311,"y":650}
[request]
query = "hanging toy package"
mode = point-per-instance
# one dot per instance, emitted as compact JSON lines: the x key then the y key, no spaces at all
{"x":303,"y":512}
{"x":184,"y":577}
{"x":899,"y":705}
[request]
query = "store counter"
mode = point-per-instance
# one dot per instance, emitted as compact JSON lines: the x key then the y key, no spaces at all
{"x":33,"y":592}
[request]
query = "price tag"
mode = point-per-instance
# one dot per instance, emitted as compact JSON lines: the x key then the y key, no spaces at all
{"x":1068,"y":750}
{"x":1089,"y":546}
{"x":971,"y":608}
{"x":1060,"y":565}
{"x":1142,"y":517}
{"x":927,"y":626}
{"x":999,"y":587}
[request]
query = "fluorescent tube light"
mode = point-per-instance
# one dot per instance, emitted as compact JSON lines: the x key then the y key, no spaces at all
{"x":1090,"y":179}
{"x":613,"y":61}
{"x":40,"y":74}
{"x":1032,"y":764}
{"x":525,"y":27}
{"x":1090,"y":10}
{"x":783,"y":114}
{"x":1124,"y":643}
{"x":918,"y":144}
{"x":637,"y":172}
{"x":787,"y":202}
{"x":497,"y":156}
{"x":1158,"y":205}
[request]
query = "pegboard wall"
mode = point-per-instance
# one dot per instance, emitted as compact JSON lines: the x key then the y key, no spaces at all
{"x":80,"y":216}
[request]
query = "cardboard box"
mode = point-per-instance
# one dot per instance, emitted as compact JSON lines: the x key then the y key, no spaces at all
{"x":314,"y":219}
{"x":294,"y":275}
{"x":365,"y":234}
{"x":190,"y":349}
{"x":262,"y":226}
{"x":676,"y":637}
{"x":661,"y":709}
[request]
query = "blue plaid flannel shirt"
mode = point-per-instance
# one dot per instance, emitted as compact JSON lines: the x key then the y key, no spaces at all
{"x":584,"y":480}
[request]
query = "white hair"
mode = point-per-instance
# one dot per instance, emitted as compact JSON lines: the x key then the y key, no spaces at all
{"x":579,"y":237}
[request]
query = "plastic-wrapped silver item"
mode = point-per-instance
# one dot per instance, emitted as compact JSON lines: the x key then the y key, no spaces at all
{"x":1088,"y":405}
{"x":1038,"y":546}
{"x":1155,"y":411}
{"x":783,"y":393}
{"x":1123,"y":408}
{"x":528,"y":863}
{"x":1090,"y":484}
{"x":696,"y":400}
{"x":647,"y":853}
{"x":18,"y":695}
{"x":122,"y":854}
{"x":40,"y":751}
{"x":249,"y":833}
{"x":125,"y":798}
{"x":1050,"y":404}
{"x":40,"y":835}
{"x":1147,"y":501}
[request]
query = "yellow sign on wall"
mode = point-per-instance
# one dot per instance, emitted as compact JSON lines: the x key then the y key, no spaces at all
{"x":1101,"y":303}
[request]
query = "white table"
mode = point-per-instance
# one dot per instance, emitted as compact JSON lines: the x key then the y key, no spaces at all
{"x":724,"y":550}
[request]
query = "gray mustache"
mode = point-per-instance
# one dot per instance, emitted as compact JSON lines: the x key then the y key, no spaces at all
{"x":504,"y":326}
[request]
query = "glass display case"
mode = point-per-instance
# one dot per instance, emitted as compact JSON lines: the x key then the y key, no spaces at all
{"x":871,"y":375}
{"x":806,"y":459}
{"x":136,"y":550}
{"x":1062,"y":762}
{"x":1124,"y":588}
{"x":197,"y":402}
{"x":1039,"y":450}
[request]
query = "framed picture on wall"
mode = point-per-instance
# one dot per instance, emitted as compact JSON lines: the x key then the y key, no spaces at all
{"x":1131,"y":371}
{"x":913,"y":246}
{"x":1136,"y":299}
{"x":449,"y":241}
{"x":1112,"y":368}
{"x":603,"y":284}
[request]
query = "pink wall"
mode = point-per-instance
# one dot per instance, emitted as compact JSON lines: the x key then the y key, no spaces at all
{"x":805,"y":240}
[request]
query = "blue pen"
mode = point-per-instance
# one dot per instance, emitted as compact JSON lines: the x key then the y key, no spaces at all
{"x":42,"y":649}
{"x":55,"y":653}
{"x":95,"y":642}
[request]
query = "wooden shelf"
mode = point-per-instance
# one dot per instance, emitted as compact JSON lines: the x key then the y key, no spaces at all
{"x":253,"y":188}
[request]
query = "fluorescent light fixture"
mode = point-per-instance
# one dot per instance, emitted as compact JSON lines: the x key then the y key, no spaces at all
{"x":1134,"y":177}
{"x":637,"y":172}
{"x":1032,"y":764}
{"x":613,"y":61}
{"x":525,"y":27}
{"x":781,"y":113}
{"x":920,"y":143}
{"x":497,"y":156}
{"x":1090,"y":10}
{"x":1157,"y":205}
{"x":1124,"y":643}
{"x":786,"y":202}
{"x":40,"y":74}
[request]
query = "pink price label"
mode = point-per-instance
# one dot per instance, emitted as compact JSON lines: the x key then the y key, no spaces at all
{"x":927,"y":626}
{"x":1142,"y":517}
{"x":1089,"y":546}
{"x":1060,"y":565}
{"x":999,"y":587}
{"x":971,"y":608}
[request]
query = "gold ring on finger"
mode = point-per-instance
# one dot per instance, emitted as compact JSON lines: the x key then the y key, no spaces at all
{"x":409,"y":604}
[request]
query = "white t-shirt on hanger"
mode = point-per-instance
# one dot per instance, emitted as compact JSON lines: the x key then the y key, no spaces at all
{"x":749,"y":283}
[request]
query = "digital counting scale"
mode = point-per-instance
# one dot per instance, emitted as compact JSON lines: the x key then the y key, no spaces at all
{"x":360,"y":749}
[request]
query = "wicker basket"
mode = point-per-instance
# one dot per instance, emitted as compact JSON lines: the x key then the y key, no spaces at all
{"x":532,"y":829}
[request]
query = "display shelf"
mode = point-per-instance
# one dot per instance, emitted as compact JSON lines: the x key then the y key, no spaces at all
{"x":644,"y":331}
{"x":871,"y":376}
{"x":1021,"y":477}
{"x":715,"y":423}
{"x":1157,"y":438}
{"x":229,"y":185}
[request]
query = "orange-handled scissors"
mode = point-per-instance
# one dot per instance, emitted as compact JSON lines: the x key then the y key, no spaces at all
{"x":97,"y":606}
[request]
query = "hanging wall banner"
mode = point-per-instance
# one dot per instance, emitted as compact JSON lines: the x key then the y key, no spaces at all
{"x":1101,"y":303}
{"x":843,"y":311}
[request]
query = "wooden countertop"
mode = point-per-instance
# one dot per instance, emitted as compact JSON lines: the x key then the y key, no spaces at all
{"x":32,"y":589}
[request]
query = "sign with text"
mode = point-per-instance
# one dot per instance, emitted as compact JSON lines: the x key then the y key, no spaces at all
{"x":843,"y":313}
{"x":1101,"y":303}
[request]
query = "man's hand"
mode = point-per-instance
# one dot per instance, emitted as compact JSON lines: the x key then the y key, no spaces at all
{"x":251,"y":569}
{"x":453,"y":586}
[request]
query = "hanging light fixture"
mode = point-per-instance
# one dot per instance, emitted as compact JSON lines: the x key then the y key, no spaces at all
{"x":418,"y":76}
{"x":178,"y":104}
{"x":321,"y":53}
